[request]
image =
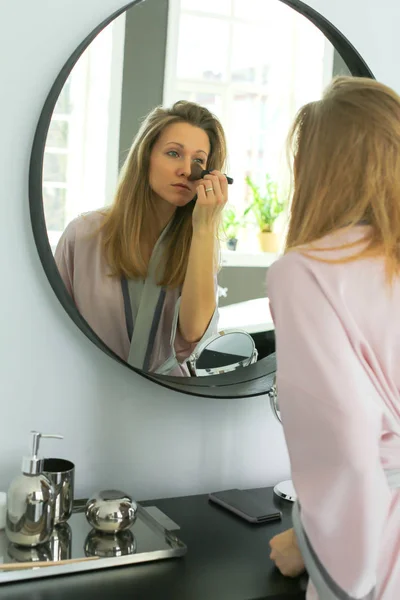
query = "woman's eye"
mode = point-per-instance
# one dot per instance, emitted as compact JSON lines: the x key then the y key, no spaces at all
{"x":200,"y":160}
{"x":172,"y":153}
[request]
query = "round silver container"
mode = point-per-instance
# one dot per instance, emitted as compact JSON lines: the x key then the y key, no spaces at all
{"x":61,"y":473}
{"x":106,"y":545}
{"x":111,"y":511}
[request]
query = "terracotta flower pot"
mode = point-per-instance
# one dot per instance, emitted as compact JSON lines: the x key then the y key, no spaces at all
{"x":269,"y":241}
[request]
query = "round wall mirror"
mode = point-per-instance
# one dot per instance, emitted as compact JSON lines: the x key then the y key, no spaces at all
{"x":270,"y":58}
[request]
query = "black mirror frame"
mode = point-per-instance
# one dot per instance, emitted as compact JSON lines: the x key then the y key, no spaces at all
{"x":256,"y":379}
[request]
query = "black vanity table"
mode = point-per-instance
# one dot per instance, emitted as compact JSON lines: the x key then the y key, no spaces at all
{"x":227,"y":559}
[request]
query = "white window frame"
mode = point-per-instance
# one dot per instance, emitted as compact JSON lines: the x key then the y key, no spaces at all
{"x":173,"y":85}
{"x":94,"y":126}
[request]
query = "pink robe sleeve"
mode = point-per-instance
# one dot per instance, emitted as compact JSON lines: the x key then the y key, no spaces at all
{"x":332,"y":424}
{"x":64,"y":257}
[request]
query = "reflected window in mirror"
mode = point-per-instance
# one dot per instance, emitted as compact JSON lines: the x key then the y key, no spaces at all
{"x":80,"y":167}
{"x":270,"y":61}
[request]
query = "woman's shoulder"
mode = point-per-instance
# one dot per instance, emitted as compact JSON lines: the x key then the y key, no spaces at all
{"x":84,"y":226}
{"x":287,"y":267}
{"x":334,"y":246}
{"x":325,"y":261}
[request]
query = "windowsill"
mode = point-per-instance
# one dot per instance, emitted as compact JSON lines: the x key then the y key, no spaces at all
{"x":253,"y":316}
{"x":235,"y":258}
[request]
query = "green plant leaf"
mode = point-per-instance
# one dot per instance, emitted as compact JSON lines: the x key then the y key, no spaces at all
{"x":266,"y":205}
{"x":232,"y":222}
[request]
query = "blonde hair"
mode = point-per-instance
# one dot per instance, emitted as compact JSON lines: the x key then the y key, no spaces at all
{"x":129,"y":222}
{"x":346,"y":169}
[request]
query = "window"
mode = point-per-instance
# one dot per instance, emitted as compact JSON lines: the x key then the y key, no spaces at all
{"x":80,"y":166}
{"x":253,"y":64}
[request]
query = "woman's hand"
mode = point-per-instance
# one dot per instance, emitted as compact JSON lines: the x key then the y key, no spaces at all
{"x":286,"y":554}
{"x":198,"y":300}
{"x":212,"y":195}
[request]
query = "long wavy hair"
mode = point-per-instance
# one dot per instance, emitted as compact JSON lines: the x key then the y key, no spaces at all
{"x":129,"y":222}
{"x":345,"y":151}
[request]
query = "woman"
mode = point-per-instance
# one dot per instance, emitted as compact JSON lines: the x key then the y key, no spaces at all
{"x":335,"y":299}
{"x":143,"y":272}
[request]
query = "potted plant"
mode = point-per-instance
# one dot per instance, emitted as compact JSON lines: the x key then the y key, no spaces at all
{"x":231,"y":225}
{"x":266,"y":208}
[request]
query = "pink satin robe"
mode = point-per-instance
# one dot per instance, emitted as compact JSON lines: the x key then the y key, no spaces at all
{"x":338,"y":384}
{"x":100,"y":301}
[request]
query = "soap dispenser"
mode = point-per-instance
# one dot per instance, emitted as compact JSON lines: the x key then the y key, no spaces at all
{"x":31,"y":501}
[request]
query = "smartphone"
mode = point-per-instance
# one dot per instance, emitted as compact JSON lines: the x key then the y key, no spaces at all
{"x":246,"y":505}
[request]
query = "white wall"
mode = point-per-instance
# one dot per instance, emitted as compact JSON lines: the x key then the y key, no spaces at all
{"x":372,"y":28}
{"x":119,"y":429}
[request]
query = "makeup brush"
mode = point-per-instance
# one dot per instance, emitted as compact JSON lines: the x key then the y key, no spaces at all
{"x":198,"y":173}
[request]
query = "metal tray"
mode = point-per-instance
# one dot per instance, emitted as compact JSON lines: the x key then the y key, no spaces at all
{"x":146,"y":540}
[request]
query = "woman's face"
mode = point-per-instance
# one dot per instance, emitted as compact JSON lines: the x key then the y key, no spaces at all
{"x":177,"y":148}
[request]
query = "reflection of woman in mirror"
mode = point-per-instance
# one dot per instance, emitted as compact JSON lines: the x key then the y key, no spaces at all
{"x":335,"y":298}
{"x":143,"y":271}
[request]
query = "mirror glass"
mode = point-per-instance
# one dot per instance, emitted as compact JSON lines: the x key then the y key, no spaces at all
{"x":222,"y":353}
{"x":270,"y":61}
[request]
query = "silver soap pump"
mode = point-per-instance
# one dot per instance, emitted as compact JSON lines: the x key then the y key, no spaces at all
{"x":31,"y":500}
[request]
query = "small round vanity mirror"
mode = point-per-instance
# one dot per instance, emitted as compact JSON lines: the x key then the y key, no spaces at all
{"x":284,"y":489}
{"x":273,"y":398}
{"x":222,"y":353}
